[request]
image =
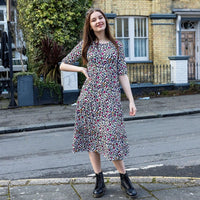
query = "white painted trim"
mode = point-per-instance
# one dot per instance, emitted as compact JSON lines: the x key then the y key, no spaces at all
{"x":196,"y":30}
{"x":197,"y":50}
{"x":5,"y":18}
{"x":131,"y":25}
{"x":178,"y":29}
{"x":16,"y":68}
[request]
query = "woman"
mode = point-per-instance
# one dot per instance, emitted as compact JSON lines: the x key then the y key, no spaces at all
{"x":99,"y":127}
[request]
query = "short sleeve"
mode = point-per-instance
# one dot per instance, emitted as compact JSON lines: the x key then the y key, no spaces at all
{"x":121,"y":64}
{"x":74,"y":55}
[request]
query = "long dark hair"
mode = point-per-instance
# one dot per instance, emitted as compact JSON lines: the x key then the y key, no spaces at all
{"x":88,"y":34}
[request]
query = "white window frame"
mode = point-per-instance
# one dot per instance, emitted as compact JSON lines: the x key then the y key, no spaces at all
{"x":131,"y":29}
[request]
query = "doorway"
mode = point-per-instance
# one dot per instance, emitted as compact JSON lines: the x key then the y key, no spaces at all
{"x":188,"y":49}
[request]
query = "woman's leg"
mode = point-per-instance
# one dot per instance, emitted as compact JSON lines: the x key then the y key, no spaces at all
{"x":95,"y":160}
{"x":126,"y":184}
{"x":119,"y":164}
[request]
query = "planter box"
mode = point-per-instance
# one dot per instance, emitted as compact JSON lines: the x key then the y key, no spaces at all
{"x":47,"y":97}
{"x":29,"y":95}
{"x":70,"y":96}
{"x":25,"y":90}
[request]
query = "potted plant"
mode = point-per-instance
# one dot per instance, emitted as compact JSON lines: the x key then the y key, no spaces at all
{"x":47,"y":92}
{"x":32,"y":90}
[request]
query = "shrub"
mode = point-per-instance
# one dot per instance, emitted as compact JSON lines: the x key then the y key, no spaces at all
{"x":59,"y":20}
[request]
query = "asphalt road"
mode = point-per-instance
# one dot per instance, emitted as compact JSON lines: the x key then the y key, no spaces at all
{"x":164,"y":146}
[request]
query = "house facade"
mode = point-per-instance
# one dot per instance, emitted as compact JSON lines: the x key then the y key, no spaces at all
{"x":153,"y":30}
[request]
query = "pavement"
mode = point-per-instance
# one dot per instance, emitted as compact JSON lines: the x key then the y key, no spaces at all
{"x":80,"y":188}
{"x":151,"y":188}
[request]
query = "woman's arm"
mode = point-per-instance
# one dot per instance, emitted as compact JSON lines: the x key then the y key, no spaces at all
{"x":72,"y":57}
{"x":73,"y":68}
{"x":127,"y":89}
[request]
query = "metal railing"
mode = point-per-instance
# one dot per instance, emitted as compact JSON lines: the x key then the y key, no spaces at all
{"x":149,"y":73}
{"x":193,"y":71}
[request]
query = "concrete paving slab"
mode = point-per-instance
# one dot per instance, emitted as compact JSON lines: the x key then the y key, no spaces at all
{"x":179,"y":193}
{"x":3,"y":197}
{"x":113,"y":191}
{"x":157,"y":186}
{"x":45,"y":192}
{"x":3,"y":191}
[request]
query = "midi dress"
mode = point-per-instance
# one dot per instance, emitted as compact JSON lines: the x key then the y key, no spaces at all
{"x":99,"y":125}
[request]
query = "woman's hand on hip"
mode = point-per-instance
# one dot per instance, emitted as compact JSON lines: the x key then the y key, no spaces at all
{"x":85,"y":72}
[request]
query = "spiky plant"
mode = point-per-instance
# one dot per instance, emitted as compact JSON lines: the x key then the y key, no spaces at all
{"x":49,"y":54}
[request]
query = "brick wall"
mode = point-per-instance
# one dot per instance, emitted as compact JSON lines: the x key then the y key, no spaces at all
{"x":125,"y":7}
{"x":163,"y":40}
{"x":162,"y":32}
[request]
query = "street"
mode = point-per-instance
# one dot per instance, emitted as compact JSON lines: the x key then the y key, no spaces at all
{"x":163,"y":146}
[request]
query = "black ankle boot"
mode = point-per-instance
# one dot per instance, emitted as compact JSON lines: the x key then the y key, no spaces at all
{"x":99,"y":189}
{"x":127,"y":186}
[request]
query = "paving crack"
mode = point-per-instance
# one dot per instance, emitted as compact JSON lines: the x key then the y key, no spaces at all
{"x":79,"y":196}
{"x":9,"y":194}
{"x":148,"y":191}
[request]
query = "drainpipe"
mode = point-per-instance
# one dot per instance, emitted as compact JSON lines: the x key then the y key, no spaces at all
{"x":12,"y":103}
{"x":178,"y":36}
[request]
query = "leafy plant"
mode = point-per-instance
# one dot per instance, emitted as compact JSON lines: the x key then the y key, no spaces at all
{"x":49,"y":55}
{"x":24,"y":74}
{"x":194,"y":87}
{"x":55,"y":88}
{"x":60,"y":20}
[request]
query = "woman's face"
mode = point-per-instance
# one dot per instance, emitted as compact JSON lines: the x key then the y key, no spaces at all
{"x":97,"y":22}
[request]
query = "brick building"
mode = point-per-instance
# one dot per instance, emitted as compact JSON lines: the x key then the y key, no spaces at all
{"x":154,"y":30}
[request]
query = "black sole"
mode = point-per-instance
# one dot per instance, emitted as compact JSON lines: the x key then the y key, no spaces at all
{"x":124,"y":190}
{"x":99,"y":195}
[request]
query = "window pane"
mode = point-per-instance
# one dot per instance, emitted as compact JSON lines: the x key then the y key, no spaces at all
{"x":126,"y":47}
{"x":144,"y":49}
{"x":1,"y":15}
{"x":139,"y":27}
{"x":119,"y":27}
{"x":126,"y":27}
{"x":140,"y":47}
{"x":125,"y":43}
{"x":144,"y":29}
{"x":136,"y":27}
{"x":136,"y":48}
